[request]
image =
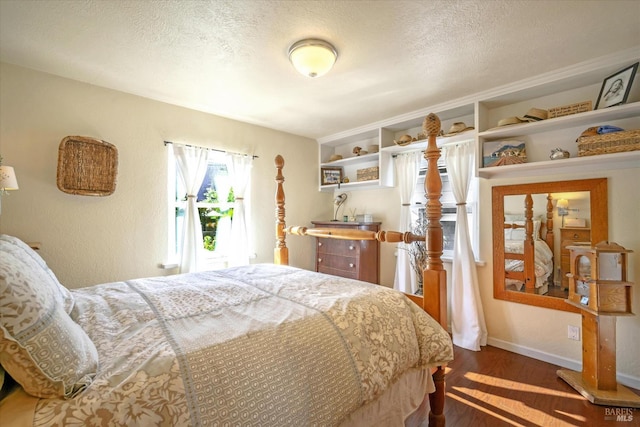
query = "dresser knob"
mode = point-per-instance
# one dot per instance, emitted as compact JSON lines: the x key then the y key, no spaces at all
{"x":351,"y":265}
{"x":351,"y":247}
{"x":319,"y":243}
{"x":319,"y":259}
{"x":575,"y":236}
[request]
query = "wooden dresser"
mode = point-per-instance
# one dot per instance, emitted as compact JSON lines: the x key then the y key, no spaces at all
{"x":571,"y":236}
{"x":349,"y":258}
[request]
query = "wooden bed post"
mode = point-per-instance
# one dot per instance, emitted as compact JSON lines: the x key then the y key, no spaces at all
{"x":434,"y":277}
{"x":529,"y":248}
{"x":281,"y":252}
{"x":548,"y":237}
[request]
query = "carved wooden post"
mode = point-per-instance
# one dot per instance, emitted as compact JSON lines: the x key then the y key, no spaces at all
{"x":434,"y":276}
{"x":435,"y":295}
{"x":281,"y":252}
{"x":549,"y":234}
{"x":528,"y":248}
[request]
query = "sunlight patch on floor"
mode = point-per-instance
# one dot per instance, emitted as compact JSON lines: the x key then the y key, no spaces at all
{"x":515,"y":385}
{"x":492,"y":396}
{"x":483,"y":409}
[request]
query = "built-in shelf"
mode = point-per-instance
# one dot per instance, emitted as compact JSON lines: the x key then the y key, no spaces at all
{"x":565,"y":166}
{"x":575,"y":84}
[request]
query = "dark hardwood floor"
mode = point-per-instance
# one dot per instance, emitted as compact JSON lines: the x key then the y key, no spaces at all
{"x":494,"y":387}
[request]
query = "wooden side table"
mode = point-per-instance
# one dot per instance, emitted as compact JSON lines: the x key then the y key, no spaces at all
{"x":598,"y":286}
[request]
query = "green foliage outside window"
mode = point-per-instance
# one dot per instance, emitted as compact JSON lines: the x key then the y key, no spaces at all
{"x":209,"y":217}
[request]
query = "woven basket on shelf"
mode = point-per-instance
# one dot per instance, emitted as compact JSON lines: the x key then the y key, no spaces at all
{"x":87,"y":166}
{"x":615,"y":142}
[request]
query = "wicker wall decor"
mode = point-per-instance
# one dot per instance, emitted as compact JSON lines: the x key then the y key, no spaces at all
{"x":87,"y":166}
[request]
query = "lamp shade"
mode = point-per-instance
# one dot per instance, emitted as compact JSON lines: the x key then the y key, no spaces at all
{"x":563,"y":204}
{"x":312,"y":57}
{"x":8,"y":179}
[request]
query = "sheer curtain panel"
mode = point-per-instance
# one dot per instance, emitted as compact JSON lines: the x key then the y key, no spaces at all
{"x":240,"y":171}
{"x":467,"y":317}
{"x":407,"y":167}
{"x":192,"y":167}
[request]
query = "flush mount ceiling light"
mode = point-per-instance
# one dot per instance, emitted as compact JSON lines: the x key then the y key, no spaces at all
{"x":312,"y":57}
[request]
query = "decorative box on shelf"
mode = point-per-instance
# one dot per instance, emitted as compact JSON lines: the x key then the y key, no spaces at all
{"x":567,"y":110}
{"x":368,"y":174}
{"x":614,"y":142}
{"x":598,"y":279}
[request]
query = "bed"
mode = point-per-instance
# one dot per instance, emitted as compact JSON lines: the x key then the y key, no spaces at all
{"x":264,"y":344}
{"x":528,"y":253}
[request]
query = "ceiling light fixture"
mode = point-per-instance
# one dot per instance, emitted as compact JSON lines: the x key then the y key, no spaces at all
{"x":312,"y":57}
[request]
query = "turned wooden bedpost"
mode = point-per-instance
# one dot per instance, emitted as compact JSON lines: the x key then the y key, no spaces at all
{"x":281,"y":252}
{"x":434,"y":277}
{"x":548,"y":237}
{"x":529,"y":249}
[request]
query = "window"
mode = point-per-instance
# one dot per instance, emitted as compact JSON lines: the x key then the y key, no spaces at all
{"x":215,"y":201}
{"x":448,"y":220}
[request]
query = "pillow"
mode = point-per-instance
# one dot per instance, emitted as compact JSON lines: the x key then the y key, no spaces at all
{"x":24,"y":250}
{"x":518,"y":233}
{"x":41,"y":347}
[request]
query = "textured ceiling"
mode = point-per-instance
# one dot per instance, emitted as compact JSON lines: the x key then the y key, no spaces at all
{"x":229,"y":57}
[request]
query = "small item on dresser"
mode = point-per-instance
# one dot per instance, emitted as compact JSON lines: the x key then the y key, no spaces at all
{"x":559,"y":153}
{"x":335,"y":157}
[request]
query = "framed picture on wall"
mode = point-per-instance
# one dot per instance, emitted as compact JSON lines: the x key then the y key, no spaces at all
{"x":615,"y":88}
{"x":330,"y":175}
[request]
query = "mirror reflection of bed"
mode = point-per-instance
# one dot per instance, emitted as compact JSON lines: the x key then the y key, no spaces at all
{"x":532,"y":226}
{"x":551,"y":226}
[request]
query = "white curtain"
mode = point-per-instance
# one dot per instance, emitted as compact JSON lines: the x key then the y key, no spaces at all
{"x":407,"y":167}
{"x":240,"y":171}
{"x":467,"y":317}
{"x":192,"y":167}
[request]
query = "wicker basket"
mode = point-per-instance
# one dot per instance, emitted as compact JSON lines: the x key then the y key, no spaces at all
{"x":87,"y":166}
{"x":615,"y":142}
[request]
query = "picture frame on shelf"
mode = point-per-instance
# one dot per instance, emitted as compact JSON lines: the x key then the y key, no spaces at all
{"x":615,"y":88}
{"x":330,"y":175}
{"x":504,"y":152}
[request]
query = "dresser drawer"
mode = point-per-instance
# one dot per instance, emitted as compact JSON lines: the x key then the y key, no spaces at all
{"x":336,"y":272}
{"x":338,"y":247}
{"x":337,"y":262}
{"x":576,"y":235}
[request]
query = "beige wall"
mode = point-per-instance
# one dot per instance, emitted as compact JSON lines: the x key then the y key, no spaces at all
{"x":89,"y":240}
{"x":541,"y":332}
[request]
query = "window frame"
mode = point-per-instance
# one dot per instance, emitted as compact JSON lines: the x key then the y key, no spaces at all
{"x":212,"y":259}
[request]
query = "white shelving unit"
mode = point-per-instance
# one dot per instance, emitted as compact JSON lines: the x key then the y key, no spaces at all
{"x":567,"y":86}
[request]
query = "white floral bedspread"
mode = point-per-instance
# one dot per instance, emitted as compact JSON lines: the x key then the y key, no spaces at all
{"x":543,"y":265}
{"x":257,"y":345}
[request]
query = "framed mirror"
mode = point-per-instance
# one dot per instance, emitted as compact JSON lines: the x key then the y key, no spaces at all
{"x":532,"y":225}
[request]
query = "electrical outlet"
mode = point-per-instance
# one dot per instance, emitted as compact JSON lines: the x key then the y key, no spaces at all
{"x":573,"y":332}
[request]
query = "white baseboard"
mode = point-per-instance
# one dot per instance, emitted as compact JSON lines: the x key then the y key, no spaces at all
{"x":574,"y":365}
